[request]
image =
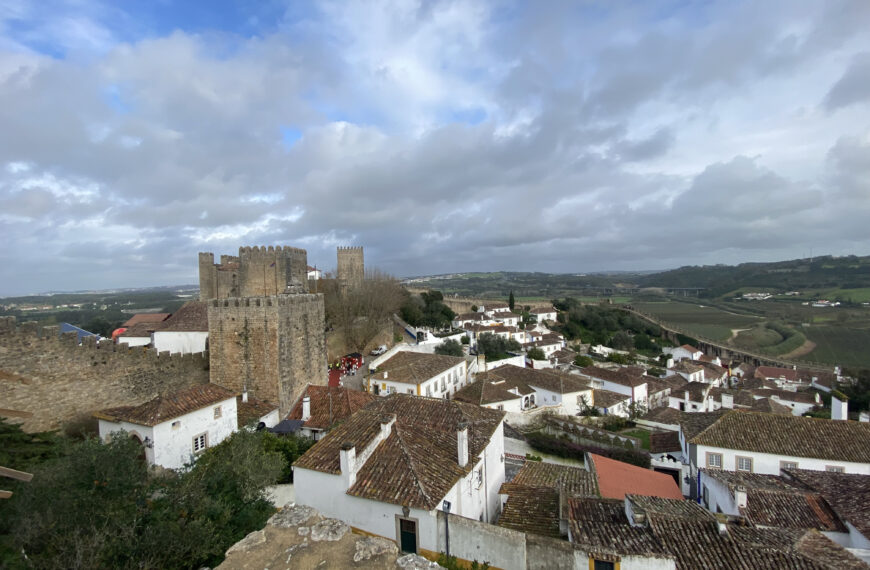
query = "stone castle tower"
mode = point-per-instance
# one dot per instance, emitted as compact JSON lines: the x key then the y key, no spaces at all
{"x":266,"y":333}
{"x":350,"y":271}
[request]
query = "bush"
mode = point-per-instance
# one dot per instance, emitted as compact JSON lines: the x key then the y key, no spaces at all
{"x":583,"y":361}
{"x":537,"y":354}
{"x":530,"y":457}
{"x":450,"y":347}
{"x":571,"y":450}
{"x":614,"y":423}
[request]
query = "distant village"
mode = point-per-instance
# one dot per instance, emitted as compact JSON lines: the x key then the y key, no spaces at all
{"x":511,"y":460}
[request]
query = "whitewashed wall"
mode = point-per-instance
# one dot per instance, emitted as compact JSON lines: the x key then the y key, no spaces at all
{"x":192,"y":342}
{"x":132,"y":341}
{"x":769,"y":464}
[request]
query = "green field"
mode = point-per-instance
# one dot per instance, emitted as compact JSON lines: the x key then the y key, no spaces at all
{"x":839,"y":345}
{"x":699,"y":319}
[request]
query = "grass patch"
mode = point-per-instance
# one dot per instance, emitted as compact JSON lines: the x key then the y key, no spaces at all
{"x":757,"y":338}
{"x":698,"y":318}
{"x":641,"y":434}
{"x":839,"y":345}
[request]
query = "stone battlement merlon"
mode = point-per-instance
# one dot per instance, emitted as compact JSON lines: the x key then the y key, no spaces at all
{"x":270,"y":301}
{"x":270,"y":249}
{"x":350,"y":248}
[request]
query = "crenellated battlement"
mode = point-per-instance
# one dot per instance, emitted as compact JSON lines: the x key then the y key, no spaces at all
{"x":271,"y":301}
{"x":350,"y":248}
{"x":261,"y":249}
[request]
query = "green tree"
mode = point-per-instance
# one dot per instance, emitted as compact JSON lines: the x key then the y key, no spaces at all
{"x":495,"y":347}
{"x":511,"y":300}
{"x":450,"y":347}
{"x":536,"y":354}
{"x":583,"y":361}
{"x":622,"y":341}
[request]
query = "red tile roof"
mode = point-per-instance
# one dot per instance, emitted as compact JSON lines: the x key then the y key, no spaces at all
{"x":329,"y":404}
{"x":617,"y":479}
{"x":146,"y":318}
{"x":169,"y":406}
{"x":191,"y":317}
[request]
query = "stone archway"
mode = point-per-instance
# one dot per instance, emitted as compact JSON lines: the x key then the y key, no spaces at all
{"x":138,"y":438}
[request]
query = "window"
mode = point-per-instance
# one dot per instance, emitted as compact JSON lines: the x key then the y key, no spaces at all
{"x":500,"y":407}
{"x":410,"y":390}
{"x":429,"y":390}
{"x":744,"y":464}
{"x":835,"y":469}
{"x":788,"y":465}
{"x":604,"y":565}
{"x":176,"y":424}
{"x":714,"y":460}
{"x":217,"y":412}
{"x":443,"y":385}
{"x":200,"y":442}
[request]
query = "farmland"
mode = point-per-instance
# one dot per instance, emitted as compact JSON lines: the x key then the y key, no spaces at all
{"x":839,"y":345}
{"x":699,"y":319}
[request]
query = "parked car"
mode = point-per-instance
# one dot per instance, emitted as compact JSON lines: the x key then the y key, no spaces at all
{"x":379,"y":350}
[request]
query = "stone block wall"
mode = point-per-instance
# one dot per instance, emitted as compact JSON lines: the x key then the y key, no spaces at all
{"x":47,"y":379}
{"x":255,"y":272}
{"x":275,"y":346}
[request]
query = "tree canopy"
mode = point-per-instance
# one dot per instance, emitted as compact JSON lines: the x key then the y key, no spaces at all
{"x":450,"y":347}
{"x":496,"y":347}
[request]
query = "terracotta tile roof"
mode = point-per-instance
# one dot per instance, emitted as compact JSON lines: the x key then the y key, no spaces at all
{"x":570,"y":480}
{"x":329,"y":404}
{"x":601,"y":526}
{"x":531,"y":509}
{"x":776,"y":372}
{"x":787,"y":395}
{"x":192,"y":316}
{"x":698,"y":391}
{"x":506,"y":315}
{"x":771,"y":407}
{"x":687,"y":367}
{"x":140,"y":330}
{"x":145,"y":318}
{"x":794,"y":436}
{"x":673,"y":380}
{"x":482,"y":392}
{"x":617,"y":479}
{"x":168,"y":406}
{"x":251,"y":411}
{"x":690,"y":348}
{"x":664,"y":441}
{"x":847,"y":493}
{"x":547,"y":379}
{"x":540,"y":311}
{"x":607,"y":399}
{"x":691,"y":424}
{"x":711,"y":370}
{"x":773,"y":501}
{"x":624,"y":376}
{"x":755,"y":383}
{"x":415,"y":367}
{"x":417,"y":464}
{"x":502,"y":377}
{"x":564,"y":356}
{"x":665,"y":415}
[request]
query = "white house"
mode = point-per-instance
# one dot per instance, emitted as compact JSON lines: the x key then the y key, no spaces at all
{"x":630,"y":381}
{"x":565,"y":392}
{"x":314,"y":274}
{"x":176,"y":427}
{"x":420,"y":374}
{"x":138,"y":334}
{"x":611,"y":403}
{"x":389,"y":468}
{"x":690,"y":371}
{"x":497,"y":394}
{"x":755,"y":442}
{"x":185,"y":332}
{"x":494,"y":307}
{"x":507,"y":318}
{"x":685,"y":351}
{"x":799,"y":402}
{"x":544,"y":314}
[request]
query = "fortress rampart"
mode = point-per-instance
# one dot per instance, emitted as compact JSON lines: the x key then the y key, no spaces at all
{"x":47,"y":379}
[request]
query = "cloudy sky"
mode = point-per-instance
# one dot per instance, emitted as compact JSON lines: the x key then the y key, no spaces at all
{"x":441,"y":136}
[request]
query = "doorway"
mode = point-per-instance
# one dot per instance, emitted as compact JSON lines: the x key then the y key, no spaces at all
{"x":408,"y":536}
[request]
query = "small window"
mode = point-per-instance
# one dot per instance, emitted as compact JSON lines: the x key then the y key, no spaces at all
{"x":744,"y":464}
{"x":176,"y":424}
{"x":835,"y":469}
{"x":410,"y":390}
{"x":604,"y":565}
{"x":714,"y":460}
{"x":500,"y":407}
{"x":217,"y":412}
{"x":200,"y":442}
{"x":788,"y":465}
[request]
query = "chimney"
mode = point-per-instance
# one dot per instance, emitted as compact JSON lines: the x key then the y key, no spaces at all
{"x":740,"y":497}
{"x":462,"y":443}
{"x":245,"y":397}
{"x":864,"y":417}
{"x":839,"y":406}
{"x":306,"y":408}
{"x":727,"y":400}
{"x":347,"y":461}
{"x":386,"y":374}
{"x":669,"y":363}
{"x":387,"y":422}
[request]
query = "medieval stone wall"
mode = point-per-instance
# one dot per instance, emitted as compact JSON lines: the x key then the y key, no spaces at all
{"x":350,"y":270}
{"x":255,"y":272}
{"x":47,"y":379}
{"x":275,"y":346}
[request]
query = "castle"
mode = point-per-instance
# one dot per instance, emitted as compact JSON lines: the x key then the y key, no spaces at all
{"x":266,"y":332}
